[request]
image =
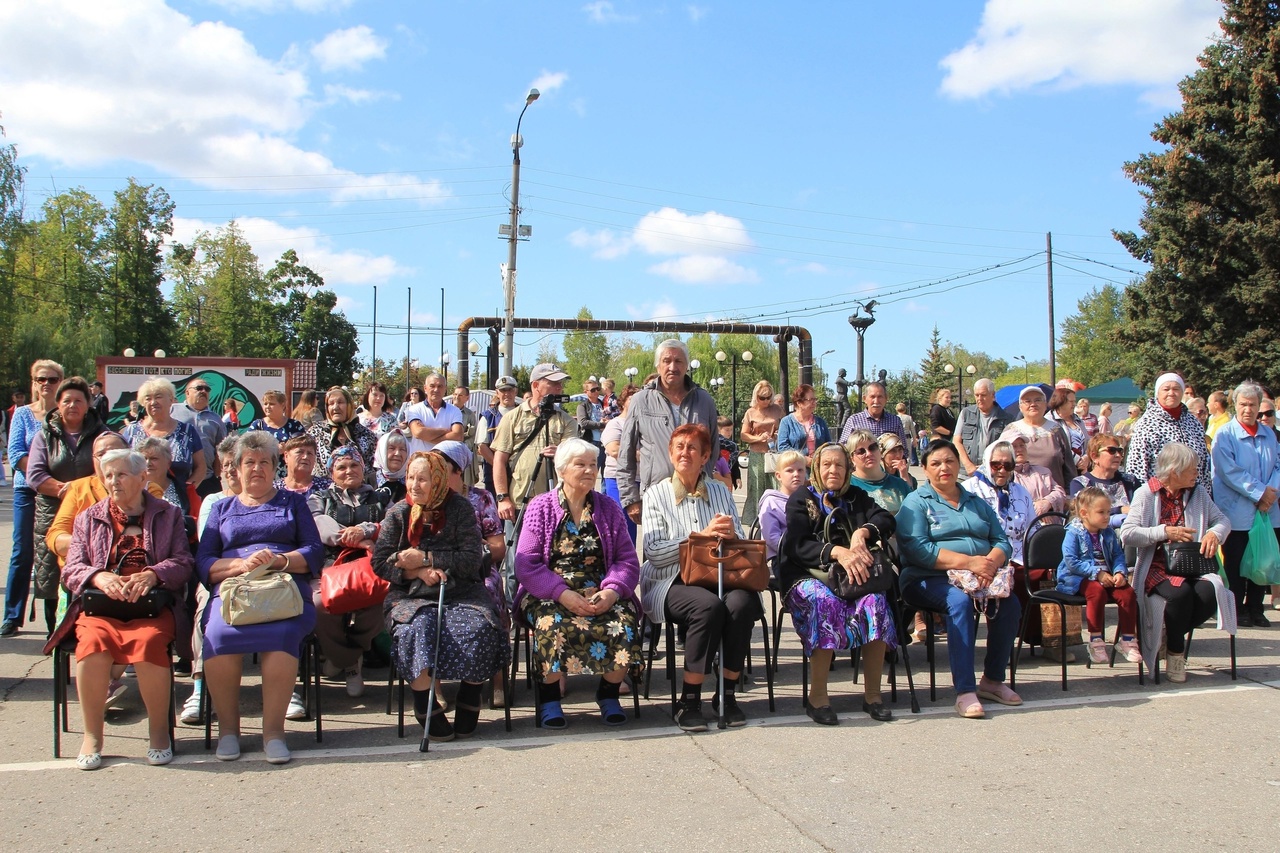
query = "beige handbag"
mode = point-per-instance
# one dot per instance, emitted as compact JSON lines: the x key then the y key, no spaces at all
{"x":262,"y":595}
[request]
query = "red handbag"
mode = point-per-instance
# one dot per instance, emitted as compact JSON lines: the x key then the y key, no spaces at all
{"x":350,"y":583}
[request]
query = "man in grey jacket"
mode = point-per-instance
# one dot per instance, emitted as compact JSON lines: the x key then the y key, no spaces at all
{"x":979,"y":426}
{"x":652,"y":415}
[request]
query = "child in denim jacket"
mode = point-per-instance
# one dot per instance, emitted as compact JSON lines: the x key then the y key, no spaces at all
{"x":1093,"y":566}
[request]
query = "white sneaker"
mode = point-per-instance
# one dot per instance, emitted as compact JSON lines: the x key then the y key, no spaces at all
{"x":355,"y":684}
{"x":1176,"y":668}
{"x":296,"y":710}
{"x":1098,"y":650}
{"x":190,"y":715}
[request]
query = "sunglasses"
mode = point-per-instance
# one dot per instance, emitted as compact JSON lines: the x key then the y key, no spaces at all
{"x":1001,"y":466}
{"x":204,"y":388}
{"x":47,"y":380}
{"x":867,"y":451}
{"x":1269,"y":413}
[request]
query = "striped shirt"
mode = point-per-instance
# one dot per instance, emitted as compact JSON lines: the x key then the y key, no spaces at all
{"x":887,"y":422}
{"x":666,"y":525}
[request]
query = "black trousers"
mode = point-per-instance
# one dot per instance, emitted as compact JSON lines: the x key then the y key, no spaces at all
{"x":1186,"y":606}
{"x":1248,"y":594}
{"x":708,"y":620}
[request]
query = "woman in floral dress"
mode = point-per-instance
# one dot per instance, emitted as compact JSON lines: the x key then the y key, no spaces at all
{"x":577,"y":572}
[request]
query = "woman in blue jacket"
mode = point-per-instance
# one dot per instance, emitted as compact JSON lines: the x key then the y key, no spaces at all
{"x":1246,"y":481}
{"x":942,"y":527}
{"x":803,"y":430}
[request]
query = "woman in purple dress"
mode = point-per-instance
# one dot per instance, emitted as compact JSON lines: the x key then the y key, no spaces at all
{"x":262,"y":525}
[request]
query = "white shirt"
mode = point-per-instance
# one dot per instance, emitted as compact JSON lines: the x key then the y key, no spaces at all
{"x":448,"y":415}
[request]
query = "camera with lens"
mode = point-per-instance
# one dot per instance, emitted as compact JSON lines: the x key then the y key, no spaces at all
{"x":548,"y":405}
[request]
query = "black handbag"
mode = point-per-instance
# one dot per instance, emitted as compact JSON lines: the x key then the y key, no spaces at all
{"x":837,"y":530}
{"x":95,"y":602}
{"x":1184,"y":560}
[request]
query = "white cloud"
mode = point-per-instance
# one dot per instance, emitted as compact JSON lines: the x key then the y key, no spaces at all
{"x":348,"y":49}
{"x":334,"y":93}
{"x":704,"y":269}
{"x":663,"y":309}
{"x":701,"y":244}
{"x":280,"y":5}
{"x":602,"y":12}
{"x":271,"y":239}
{"x":549,"y":81}
{"x":86,"y":84}
{"x":1069,"y":43}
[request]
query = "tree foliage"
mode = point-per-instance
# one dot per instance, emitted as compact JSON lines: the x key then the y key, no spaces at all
{"x":586,"y":354}
{"x":1090,"y":350}
{"x":1211,"y":225}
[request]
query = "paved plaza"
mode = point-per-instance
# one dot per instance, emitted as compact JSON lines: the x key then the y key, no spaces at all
{"x":1106,"y":765}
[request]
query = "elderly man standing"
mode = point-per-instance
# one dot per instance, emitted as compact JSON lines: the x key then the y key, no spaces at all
{"x":208,"y":423}
{"x":874,"y":419}
{"x":979,"y":425}
{"x":533,"y":430}
{"x":435,"y":419}
{"x":504,"y":401}
{"x":672,"y":400}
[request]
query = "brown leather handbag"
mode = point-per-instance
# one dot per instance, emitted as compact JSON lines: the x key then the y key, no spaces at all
{"x":744,"y":562}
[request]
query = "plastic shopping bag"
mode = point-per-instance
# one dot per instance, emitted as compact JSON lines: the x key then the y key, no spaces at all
{"x":1261,"y":560}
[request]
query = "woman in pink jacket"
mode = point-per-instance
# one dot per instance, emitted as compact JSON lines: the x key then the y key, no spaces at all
{"x":130,"y":548}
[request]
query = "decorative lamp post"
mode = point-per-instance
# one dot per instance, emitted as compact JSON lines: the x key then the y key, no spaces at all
{"x":630,"y":373}
{"x":722,"y":357}
{"x":444,"y":363}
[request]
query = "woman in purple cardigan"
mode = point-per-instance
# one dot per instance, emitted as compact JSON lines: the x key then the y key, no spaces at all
{"x":577,"y":572}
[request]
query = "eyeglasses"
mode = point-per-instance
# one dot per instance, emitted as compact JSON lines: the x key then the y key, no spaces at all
{"x":593,"y":390}
{"x":1269,"y":413}
{"x":47,"y":380}
{"x":1113,"y":449}
{"x":199,"y":388}
{"x":1001,"y":466}
{"x":867,"y":451}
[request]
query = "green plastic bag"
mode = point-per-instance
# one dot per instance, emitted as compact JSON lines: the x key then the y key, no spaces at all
{"x":1261,"y":560}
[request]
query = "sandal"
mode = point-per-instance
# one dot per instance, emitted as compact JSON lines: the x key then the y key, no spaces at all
{"x":1001,"y":693}
{"x":969,"y":708}
{"x":611,"y":713}
{"x":439,"y":729}
{"x":465,"y":720}
{"x":551,"y":716}
{"x":89,"y":760}
{"x":159,"y":757}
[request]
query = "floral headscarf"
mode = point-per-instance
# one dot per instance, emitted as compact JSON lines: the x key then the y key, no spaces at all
{"x":343,"y":452}
{"x":429,"y":511}
{"x":827,"y":500}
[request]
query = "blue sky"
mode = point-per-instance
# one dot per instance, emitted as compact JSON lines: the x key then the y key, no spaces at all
{"x":763,"y":161}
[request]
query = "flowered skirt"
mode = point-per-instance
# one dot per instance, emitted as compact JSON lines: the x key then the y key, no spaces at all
{"x":473,"y":645}
{"x":563,"y":642}
{"x":824,"y":620}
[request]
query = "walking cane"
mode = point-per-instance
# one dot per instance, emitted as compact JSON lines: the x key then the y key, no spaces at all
{"x":720,"y":720}
{"x":425,"y":746}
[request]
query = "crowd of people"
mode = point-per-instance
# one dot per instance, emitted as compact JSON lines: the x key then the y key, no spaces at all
{"x":526,"y":515}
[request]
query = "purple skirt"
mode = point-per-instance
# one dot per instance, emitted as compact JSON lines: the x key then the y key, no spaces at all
{"x":824,"y":620}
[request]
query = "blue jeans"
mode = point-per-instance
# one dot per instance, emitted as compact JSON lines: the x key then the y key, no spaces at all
{"x":936,"y":593}
{"x":18,"y":586}
{"x":611,"y":489}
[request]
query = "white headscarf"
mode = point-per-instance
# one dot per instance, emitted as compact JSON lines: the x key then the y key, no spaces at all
{"x":380,"y":456}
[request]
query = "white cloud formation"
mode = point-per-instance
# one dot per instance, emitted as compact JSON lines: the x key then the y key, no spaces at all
{"x":701,"y":244}
{"x":336,"y":92}
{"x":549,"y":81}
{"x":602,"y":12}
{"x":134,"y":80}
{"x":271,"y":239}
{"x":1069,"y":43}
{"x":348,"y":49}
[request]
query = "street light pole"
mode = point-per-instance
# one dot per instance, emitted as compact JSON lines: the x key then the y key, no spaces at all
{"x":509,"y":273}
{"x":721,"y":357}
{"x":1026,"y":369}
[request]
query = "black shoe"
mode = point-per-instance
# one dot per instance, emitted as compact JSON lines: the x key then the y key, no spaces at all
{"x":877,"y":711}
{"x":440,"y":730}
{"x":182,"y":666}
{"x":733,"y":715}
{"x":1244,"y":619}
{"x":689,"y":716}
{"x":823,"y":716}
{"x":9,"y":628}
{"x":1260,"y":620}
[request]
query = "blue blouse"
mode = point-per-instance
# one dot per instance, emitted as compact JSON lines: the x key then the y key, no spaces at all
{"x":927,"y":524}
{"x":21,"y":432}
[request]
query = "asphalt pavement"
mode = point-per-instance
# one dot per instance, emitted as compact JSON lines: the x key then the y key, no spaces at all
{"x":1106,"y":764}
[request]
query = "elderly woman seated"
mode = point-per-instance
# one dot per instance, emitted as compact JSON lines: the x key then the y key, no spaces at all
{"x":428,"y":539}
{"x":486,"y":510}
{"x":690,"y":502}
{"x":1172,"y":508}
{"x":341,"y":426}
{"x":299,"y":456}
{"x":159,"y":456}
{"x":125,"y":547}
{"x":824,"y":620}
{"x":943,"y":527}
{"x":391,"y":463}
{"x":347,"y":514}
{"x":261,"y":526}
{"x":577,"y":570}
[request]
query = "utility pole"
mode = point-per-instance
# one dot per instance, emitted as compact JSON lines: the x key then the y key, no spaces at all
{"x":509,"y":271}
{"x":1053,"y":347}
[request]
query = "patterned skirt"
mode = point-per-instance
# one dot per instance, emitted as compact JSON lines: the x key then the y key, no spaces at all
{"x":824,"y":620}
{"x":473,"y":645}
{"x":563,"y":642}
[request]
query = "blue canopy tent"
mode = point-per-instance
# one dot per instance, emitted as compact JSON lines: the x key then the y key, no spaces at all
{"x":1122,"y":390}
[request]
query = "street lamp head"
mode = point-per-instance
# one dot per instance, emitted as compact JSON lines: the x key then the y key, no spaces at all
{"x":159,"y":353}
{"x":747,"y":356}
{"x":720,"y":356}
{"x":949,"y":367}
{"x":971,"y":370}
{"x":695,"y":364}
{"x":473,"y":347}
{"x":534,"y":94}
{"x":444,"y":358}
